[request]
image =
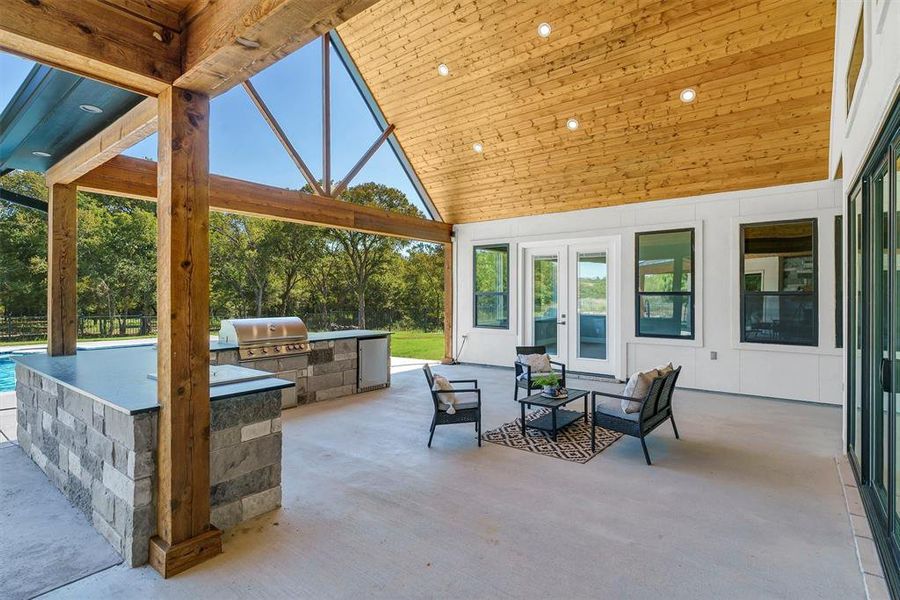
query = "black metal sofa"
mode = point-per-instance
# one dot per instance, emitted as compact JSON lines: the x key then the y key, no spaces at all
{"x":468,"y":411}
{"x":655,"y":410}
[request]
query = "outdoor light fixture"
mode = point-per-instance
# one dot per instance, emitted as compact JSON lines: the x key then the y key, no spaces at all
{"x":688,"y":95}
{"x":90,"y":108}
{"x":572,"y":124}
{"x":443,"y":70}
{"x":41,"y":154}
{"x":477,"y":147}
{"x":246,"y":43}
{"x":544,"y":30}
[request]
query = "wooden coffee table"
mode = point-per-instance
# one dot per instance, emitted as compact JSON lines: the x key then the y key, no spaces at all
{"x":559,"y":416}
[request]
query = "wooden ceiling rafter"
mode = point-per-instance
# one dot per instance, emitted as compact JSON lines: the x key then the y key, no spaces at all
{"x":762,"y":69}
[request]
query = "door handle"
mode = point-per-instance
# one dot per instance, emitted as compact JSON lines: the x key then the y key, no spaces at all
{"x":886,"y":374}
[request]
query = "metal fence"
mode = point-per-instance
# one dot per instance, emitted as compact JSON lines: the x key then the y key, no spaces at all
{"x":34,"y":329}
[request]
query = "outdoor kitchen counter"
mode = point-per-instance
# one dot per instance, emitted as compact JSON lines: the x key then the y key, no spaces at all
{"x":90,"y":423}
{"x":314,"y":336}
{"x":119,"y":377}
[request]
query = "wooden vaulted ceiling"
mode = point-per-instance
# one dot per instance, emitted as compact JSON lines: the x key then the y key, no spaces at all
{"x":762,"y":70}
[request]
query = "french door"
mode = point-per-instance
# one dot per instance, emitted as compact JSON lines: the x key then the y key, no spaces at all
{"x":570,"y":303}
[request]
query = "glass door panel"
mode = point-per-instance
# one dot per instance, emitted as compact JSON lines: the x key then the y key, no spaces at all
{"x":880,"y":334}
{"x":545,"y":302}
{"x":855,"y":327}
{"x":591,"y":305}
{"x":894,"y":269}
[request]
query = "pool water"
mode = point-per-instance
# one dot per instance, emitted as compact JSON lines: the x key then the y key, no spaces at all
{"x":7,"y":373}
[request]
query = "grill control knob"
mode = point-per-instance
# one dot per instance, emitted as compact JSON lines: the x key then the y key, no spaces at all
{"x":249,"y":352}
{"x":264,"y":351}
{"x":276,"y":349}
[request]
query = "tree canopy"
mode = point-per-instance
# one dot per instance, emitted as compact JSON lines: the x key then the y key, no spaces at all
{"x":258,"y":266}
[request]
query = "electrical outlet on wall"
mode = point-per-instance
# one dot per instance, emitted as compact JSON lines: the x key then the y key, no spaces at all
{"x":713,"y":355}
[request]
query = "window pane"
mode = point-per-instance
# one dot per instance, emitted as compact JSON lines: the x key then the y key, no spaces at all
{"x":492,"y":286}
{"x":778,"y":257}
{"x":545,"y":302}
{"x":664,"y":261}
{"x":491,"y":310}
{"x":492,"y":269}
{"x":592,"y":282}
{"x":669,"y":315}
{"x":776,"y":319}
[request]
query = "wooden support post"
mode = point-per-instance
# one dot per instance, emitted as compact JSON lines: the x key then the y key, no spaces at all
{"x":184,"y":534}
{"x":326,"y":114}
{"x":62,"y":270}
{"x":448,"y":303}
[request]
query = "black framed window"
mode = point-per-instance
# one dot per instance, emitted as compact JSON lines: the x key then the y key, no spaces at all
{"x":779,"y":283}
{"x":491,"y":285}
{"x":664,"y":284}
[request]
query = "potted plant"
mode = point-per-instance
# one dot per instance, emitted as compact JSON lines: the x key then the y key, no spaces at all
{"x":548,"y":381}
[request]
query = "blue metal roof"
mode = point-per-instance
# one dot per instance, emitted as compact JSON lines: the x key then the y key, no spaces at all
{"x":44,"y":116}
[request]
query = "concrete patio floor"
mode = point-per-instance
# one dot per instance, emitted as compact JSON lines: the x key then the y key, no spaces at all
{"x":748,"y":504}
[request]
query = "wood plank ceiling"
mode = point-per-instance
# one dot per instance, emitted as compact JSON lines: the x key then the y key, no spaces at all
{"x":762,"y":70}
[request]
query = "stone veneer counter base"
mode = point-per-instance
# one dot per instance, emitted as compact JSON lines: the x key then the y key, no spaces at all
{"x":102,"y":456}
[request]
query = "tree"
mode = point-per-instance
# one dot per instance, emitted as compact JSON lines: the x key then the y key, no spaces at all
{"x":364,"y":255}
{"x":23,"y":248}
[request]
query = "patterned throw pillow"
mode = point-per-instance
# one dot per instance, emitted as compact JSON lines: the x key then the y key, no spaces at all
{"x":445,"y":401}
{"x":637,"y":388}
{"x":539,"y":363}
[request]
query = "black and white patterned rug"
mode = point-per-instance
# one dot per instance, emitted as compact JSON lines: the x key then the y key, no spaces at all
{"x":573,"y":443}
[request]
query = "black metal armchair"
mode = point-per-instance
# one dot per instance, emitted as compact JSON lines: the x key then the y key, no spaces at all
{"x":523,"y":371}
{"x":468,"y":411}
{"x":655,"y":410}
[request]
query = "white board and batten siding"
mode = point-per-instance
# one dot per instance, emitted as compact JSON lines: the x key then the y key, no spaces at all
{"x":791,"y":372}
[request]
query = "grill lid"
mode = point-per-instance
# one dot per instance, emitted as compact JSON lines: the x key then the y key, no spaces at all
{"x":245,"y":332}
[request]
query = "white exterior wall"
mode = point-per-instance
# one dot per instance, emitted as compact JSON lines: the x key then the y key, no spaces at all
{"x":801,"y":373}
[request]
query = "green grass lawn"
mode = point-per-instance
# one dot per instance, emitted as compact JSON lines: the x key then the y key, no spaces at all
{"x":418,"y":344}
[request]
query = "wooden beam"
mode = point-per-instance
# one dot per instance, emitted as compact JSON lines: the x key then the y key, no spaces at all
{"x":185,"y":536}
{"x":279,"y":133}
{"x":362,"y":161}
{"x":94,"y":39}
{"x":62,"y":270}
{"x":229,"y":41}
{"x":135,"y":178}
{"x":129,"y":129}
{"x":448,"y":303}
{"x":326,"y":114}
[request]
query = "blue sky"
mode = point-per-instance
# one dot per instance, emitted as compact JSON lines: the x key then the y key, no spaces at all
{"x":243,"y":146}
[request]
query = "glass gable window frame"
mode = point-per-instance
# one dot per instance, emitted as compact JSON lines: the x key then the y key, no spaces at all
{"x":784,"y":299}
{"x":687,"y":296}
{"x":494,"y":299}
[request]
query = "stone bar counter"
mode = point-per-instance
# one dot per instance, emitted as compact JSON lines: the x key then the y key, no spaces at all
{"x":89,"y":421}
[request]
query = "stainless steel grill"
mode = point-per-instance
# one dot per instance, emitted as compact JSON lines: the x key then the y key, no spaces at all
{"x":266,"y":338}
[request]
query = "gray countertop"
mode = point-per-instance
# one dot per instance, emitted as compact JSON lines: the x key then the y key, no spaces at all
{"x":314,"y":336}
{"x":119,"y":377}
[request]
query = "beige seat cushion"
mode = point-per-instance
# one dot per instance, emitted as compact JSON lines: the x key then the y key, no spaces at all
{"x":637,"y":388}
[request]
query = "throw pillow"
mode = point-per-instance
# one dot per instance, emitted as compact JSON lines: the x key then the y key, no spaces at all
{"x":539,"y":363}
{"x":445,"y":400}
{"x":665,"y":369}
{"x":637,"y":388}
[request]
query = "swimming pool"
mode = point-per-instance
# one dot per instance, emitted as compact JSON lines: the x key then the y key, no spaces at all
{"x":7,"y":373}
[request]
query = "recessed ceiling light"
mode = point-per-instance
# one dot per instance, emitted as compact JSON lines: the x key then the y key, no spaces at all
{"x":90,"y":108}
{"x":41,"y":154}
{"x":246,"y":43}
{"x":544,"y":30}
{"x":572,"y":124}
{"x":443,"y":70}
{"x":688,"y":95}
{"x":477,"y":147}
